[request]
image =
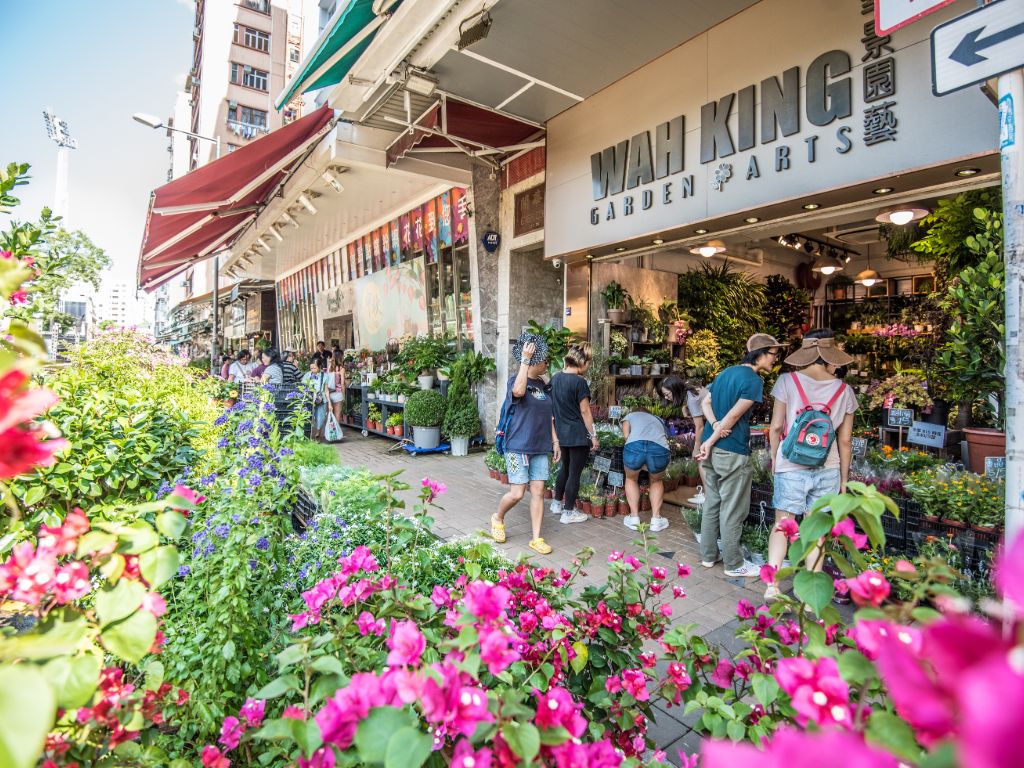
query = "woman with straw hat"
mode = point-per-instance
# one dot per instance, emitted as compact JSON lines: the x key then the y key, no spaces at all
{"x":799,"y":485}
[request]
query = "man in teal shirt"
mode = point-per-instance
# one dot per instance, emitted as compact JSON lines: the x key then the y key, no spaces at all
{"x":725,"y":453}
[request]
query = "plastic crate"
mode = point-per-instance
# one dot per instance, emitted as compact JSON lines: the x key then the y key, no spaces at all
{"x":761,"y":493}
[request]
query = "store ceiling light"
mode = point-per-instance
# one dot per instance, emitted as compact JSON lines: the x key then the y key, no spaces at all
{"x":289,"y":219}
{"x":868,"y":277}
{"x":901,"y":214}
{"x":709,"y":249}
{"x":962,"y":172}
{"x":420,"y":82}
{"x":811,"y":206}
{"x":657,"y":241}
{"x":752,"y":219}
{"x":274,"y":231}
{"x":882,"y":190}
{"x":700,"y":231}
{"x":620,"y":249}
{"x":263,"y":244}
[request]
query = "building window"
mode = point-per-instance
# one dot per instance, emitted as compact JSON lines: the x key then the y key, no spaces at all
{"x":232,"y":147}
{"x":293,"y":54}
{"x":246,"y":121}
{"x":252,"y":38}
{"x":263,"y":6}
{"x":250,"y":77}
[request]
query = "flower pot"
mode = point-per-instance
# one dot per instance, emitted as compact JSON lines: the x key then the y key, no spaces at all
{"x":634,"y":370}
{"x":609,"y":509}
{"x":426,"y":437}
{"x":645,"y":503}
{"x":984,"y":528}
{"x":425,"y":382}
{"x":399,"y":431}
{"x":951,"y":523}
{"x":838,"y":294}
{"x":691,"y":482}
{"x":503,"y":477}
{"x":442,"y":376}
{"x":983,"y":442}
{"x":401,"y":399}
{"x":616,"y":315}
{"x":939,"y":413}
{"x":391,"y":430}
{"x":613,"y":368}
{"x":582,"y":505}
{"x":548,"y":493}
{"x":493,"y":473}
{"x":460,"y":446}
{"x":622,"y":508}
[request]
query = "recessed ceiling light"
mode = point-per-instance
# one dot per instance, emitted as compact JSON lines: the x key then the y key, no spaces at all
{"x":882,"y":190}
{"x":812,"y":206}
{"x":590,"y":256}
{"x":751,"y":219}
{"x":620,"y":249}
{"x":967,"y":171}
{"x":657,"y":241}
{"x":700,"y":231}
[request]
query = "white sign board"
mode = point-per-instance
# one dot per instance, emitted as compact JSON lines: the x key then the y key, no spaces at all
{"x":931,"y":435}
{"x":977,"y":46}
{"x":890,"y":15}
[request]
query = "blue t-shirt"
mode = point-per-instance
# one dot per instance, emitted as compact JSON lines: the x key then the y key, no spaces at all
{"x":738,"y":382}
{"x":530,"y":430}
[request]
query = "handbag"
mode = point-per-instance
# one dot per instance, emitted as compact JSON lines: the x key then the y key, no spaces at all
{"x":332,"y":430}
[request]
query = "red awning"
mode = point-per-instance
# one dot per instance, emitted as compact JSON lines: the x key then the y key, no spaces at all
{"x":207,"y":209}
{"x":454,"y":124}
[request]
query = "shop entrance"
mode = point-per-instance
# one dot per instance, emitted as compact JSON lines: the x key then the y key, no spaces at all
{"x":339,"y":329}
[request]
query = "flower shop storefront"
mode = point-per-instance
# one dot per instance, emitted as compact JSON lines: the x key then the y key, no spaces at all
{"x":409,"y":275}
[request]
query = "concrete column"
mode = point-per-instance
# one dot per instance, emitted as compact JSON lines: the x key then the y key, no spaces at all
{"x":485,"y":198}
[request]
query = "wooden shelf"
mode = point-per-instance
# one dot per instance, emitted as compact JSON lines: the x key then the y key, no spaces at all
{"x":638,"y":376}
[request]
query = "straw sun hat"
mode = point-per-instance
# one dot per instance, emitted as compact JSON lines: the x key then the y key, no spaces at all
{"x":811,"y":349}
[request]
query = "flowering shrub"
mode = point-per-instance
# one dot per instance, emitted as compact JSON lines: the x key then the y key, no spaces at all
{"x":961,"y":496}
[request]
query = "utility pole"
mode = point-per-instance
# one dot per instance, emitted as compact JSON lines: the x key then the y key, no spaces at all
{"x":57,"y":130}
{"x":1011,"y":122}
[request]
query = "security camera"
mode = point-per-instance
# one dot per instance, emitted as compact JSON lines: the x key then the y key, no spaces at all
{"x":556,"y":263}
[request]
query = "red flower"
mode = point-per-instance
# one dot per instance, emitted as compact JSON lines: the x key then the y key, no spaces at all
{"x":869,"y":588}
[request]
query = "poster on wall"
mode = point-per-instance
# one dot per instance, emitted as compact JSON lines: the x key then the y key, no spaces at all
{"x":430,"y":231}
{"x":444,"y":219}
{"x":416,"y":221}
{"x":384,"y":235}
{"x":391,"y":304}
{"x":460,"y":219}
{"x":368,"y":266}
{"x":375,"y":250}
{"x":351,"y":260}
{"x":405,"y":236}
{"x":359,"y":258}
{"x":396,"y":248}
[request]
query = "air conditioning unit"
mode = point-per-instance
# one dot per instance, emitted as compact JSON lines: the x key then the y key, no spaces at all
{"x":232,"y":104}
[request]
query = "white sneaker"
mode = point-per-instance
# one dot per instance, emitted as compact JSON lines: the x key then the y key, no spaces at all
{"x":556,"y":507}
{"x":710,"y":563}
{"x":658,"y":524}
{"x":698,"y":498}
{"x":572,"y":516}
{"x":631,"y":521}
{"x":748,"y":571}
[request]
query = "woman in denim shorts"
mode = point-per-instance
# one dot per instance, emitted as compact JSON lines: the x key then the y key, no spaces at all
{"x":647,"y":448}
{"x":798,"y":487}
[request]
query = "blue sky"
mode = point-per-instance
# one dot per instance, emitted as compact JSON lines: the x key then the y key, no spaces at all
{"x":95,"y":63}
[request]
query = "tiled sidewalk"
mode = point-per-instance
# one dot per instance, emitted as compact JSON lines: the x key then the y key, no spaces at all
{"x":471,"y":498}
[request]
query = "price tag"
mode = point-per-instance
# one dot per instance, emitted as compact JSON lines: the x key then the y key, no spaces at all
{"x":901,"y":417}
{"x":995,"y":466}
{"x":602,"y":463}
{"x":616,"y":479}
{"x":931,"y":435}
{"x":860,"y":447}
{"x":615,"y":412}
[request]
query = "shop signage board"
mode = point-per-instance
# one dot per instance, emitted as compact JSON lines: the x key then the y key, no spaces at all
{"x":901,"y":417}
{"x":602,"y":463}
{"x":930,"y":435}
{"x":995,"y":466}
{"x":891,"y":15}
{"x":860,"y":447}
{"x":977,"y":46}
{"x":658,"y":151}
{"x":616,"y":479}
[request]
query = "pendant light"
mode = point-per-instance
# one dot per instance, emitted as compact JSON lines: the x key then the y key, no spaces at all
{"x":868,"y":277}
{"x":831,"y":264}
{"x":707,"y":250}
{"x":901,"y":214}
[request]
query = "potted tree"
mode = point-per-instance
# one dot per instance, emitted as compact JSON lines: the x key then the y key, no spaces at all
{"x":615,"y":296}
{"x":424,"y":411}
{"x":462,"y":423}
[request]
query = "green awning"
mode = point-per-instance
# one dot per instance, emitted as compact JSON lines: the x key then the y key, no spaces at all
{"x":344,"y":40}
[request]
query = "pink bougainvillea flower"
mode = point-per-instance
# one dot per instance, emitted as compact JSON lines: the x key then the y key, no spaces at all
{"x":678,"y":675}
{"x":406,"y":644}
{"x":23,"y":449}
{"x":294,"y":712}
{"x":678,"y":591}
{"x":789,"y":748}
{"x":682,"y":570}
{"x":845,"y":527}
{"x":905,"y":566}
{"x":453,"y":705}
{"x":342,"y":713}
{"x":28,"y":574}
{"x":666,"y":610}
{"x":556,"y":708}
{"x":658,"y":572}
{"x":71,"y":582}
{"x":868,"y":588}
{"x":19,"y":402}
{"x":440,"y":596}
{"x":745,"y":609}
{"x":634,"y":682}
{"x":253,"y":711}
{"x":433,"y":488}
{"x":486,"y":601}
{"x":817,"y":691}
{"x":185,"y":493}
{"x":496,"y":650}
{"x":19,"y":297}
{"x":154,"y":603}
{"x":231,"y":731}
{"x":361,"y":559}
{"x":465,"y":757}
{"x":632,"y":562}
{"x":723,"y":674}
{"x":615,"y":555}
{"x":63,"y":539}
{"x":322,"y":758}
{"x":1009,"y":571}
{"x":213,"y":758}
{"x":768,"y":573}
{"x":368,"y":625}
{"x":613,"y":684}
{"x":789,"y":527}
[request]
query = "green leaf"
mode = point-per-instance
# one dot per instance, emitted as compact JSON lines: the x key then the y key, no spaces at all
{"x":855,"y":668}
{"x":329,"y":665}
{"x":171,"y":524}
{"x":73,"y":679}
{"x":118,"y":602}
{"x":279,"y":686}
{"x":552,"y":737}
{"x":54,"y":637}
{"x":376,"y":730}
{"x":154,"y":674}
{"x":894,"y":734}
{"x":139,"y":538}
{"x":33,"y":495}
{"x":159,"y":565}
{"x":765,"y":689}
{"x":131,"y":638}
{"x":579,"y":661}
{"x":523,"y":738}
{"x":815,"y":525}
{"x":27,"y":711}
{"x":735,"y":730}
{"x":408,"y":748}
{"x":228,"y":651}
{"x":290,"y":655}
{"x":814,"y":588}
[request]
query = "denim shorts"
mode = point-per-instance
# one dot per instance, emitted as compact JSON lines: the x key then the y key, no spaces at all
{"x":524,"y":468}
{"x":641,"y":453}
{"x":796,"y":491}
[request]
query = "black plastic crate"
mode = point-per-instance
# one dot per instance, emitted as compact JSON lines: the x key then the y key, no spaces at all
{"x":305,"y":509}
{"x":761,"y":493}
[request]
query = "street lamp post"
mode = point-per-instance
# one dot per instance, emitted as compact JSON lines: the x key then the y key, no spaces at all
{"x":154,"y":122}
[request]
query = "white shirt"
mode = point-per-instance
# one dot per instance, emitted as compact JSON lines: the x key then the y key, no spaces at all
{"x":818,"y":394}
{"x":239,"y":371}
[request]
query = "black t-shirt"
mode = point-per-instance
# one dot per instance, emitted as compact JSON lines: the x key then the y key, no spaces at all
{"x":567,"y":391}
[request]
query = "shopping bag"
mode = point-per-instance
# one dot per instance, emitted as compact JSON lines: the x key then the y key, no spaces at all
{"x":332,"y":430}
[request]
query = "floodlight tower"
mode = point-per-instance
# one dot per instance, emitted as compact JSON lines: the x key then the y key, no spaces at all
{"x":57,"y":130}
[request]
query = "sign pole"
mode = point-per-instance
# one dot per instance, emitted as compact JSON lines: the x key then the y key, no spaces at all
{"x":1011,"y":120}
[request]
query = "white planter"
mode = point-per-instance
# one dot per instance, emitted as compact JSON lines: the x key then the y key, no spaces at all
{"x":460,"y":446}
{"x":635,"y":370}
{"x":425,"y":382}
{"x":426,"y":437}
{"x":401,"y":398}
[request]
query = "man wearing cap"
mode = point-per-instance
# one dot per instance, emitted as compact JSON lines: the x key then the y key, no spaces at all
{"x":798,"y":487}
{"x":725,"y":453}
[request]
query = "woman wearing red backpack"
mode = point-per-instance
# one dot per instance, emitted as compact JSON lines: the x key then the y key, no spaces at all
{"x":811,"y":437}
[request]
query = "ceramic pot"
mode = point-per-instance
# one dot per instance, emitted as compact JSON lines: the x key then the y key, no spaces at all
{"x":425,"y":382}
{"x":609,"y":508}
{"x":399,"y":430}
{"x":616,"y":316}
{"x":426,"y":437}
{"x":623,"y":508}
{"x":983,"y":442}
{"x":460,"y":446}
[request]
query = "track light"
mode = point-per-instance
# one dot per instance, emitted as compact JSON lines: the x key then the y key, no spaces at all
{"x":331,"y":179}
{"x":307,"y":205}
{"x":277,"y":235}
{"x":263,"y":244}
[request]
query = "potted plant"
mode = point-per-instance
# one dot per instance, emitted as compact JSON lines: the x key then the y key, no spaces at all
{"x":691,"y":473}
{"x":424,"y":411}
{"x":904,"y":389}
{"x":461,"y":424}
{"x":673,"y":319}
{"x":622,"y":506}
{"x":615,"y":297}
{"x":635,"y":365}
{"x":610,"y":503}
{"x":645,"y":500}
{"x":394,"y":424}
{"x":840,"y":283}
{"x":373,"y":417}
{"x":583,"y":498}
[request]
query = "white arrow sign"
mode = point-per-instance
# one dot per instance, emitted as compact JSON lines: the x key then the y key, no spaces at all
{"x":977,"y":46}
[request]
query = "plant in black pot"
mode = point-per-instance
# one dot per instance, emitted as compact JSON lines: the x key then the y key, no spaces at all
{"x":424,"y":412}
